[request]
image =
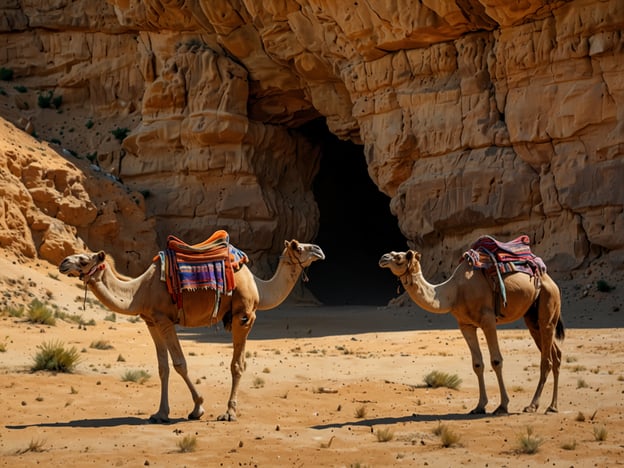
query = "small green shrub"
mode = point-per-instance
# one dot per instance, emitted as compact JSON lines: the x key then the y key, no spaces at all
{"x":437,"y":379}
{"x":6,"y":74}
{"x":120,"y":133}
{"x":101,"y":344}
{"x":111,"y":317}
{"x":53,"y":356}
{"x":38,"y":312}
{"x":89,"y":124}
{"x":529,"y":443}
{"x":44,"y":100}
{"x":21,"y":89}
{"x":137,"y":376}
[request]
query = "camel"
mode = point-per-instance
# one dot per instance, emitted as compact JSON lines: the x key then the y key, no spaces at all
{"x":147,"y":296}
{"x":468,"y":296}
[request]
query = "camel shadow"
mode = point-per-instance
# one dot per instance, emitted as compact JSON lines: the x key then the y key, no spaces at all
{"x":387,"y":421}
{"x":97,"y":423}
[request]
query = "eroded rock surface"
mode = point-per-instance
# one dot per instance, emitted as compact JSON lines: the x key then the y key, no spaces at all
{"x":476,"y":117}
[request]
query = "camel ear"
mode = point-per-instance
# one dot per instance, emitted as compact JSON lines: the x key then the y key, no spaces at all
{"x":411,"y":255}
{"x":294,"y":244}
{"x":101,"y":256}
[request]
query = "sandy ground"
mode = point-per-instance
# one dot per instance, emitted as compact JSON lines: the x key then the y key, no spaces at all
{"x":309,"y":372}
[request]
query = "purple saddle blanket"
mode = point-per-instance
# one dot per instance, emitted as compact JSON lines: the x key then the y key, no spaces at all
{"x":490,"y":254}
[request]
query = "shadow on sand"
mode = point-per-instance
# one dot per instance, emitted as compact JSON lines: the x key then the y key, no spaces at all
{"x":411,"y":418}
{"x":95,"y":423}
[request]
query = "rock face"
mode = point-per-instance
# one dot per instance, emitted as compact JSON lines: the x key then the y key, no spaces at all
{"x":476,"y":117}
{"x":52,"y":208}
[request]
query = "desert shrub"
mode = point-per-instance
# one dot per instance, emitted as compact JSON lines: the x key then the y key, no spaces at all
{"x":188,"y":443}
{"x":6,"y":74}
{"x":360,"y":412}
{"x":448,"y":438}
{"x":89,"y":124}
{"x":529,"y":443}
{"x":35,"y":445}
{"x":258,"y":382}
{"x":101,"y":344}
{"x":38,"y":312}
{"x":111,"y":317}
{"x":384,"y":435}
{"x":13,"y":311}
{"x":600,"y":433}
{"x":437,"y":379}
{"x":20,"y":89}
{"x":120,"y":133}
{"x":53,"y":356}
{"x":138,"y":376}
{"x":44,"y":100}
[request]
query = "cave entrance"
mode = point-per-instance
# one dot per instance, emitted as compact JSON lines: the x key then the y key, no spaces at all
{"x":356,"y":227}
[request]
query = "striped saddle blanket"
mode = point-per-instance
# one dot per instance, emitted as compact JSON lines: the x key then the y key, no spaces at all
{"x":497,"y":258}
{"x":208,"y":265}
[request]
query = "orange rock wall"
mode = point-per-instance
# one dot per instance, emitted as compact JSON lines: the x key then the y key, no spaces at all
{"x":478,"y":116}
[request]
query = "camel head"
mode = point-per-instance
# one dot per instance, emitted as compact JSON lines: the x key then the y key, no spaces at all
{"x":401,"y":263}
{"x":302,"y":254}
{"x":82,"y":265}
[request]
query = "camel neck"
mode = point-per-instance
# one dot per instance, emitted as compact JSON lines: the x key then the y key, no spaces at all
{"x":435,"y":298}
{"x":112,"y":292}
{"x":274,"y":291}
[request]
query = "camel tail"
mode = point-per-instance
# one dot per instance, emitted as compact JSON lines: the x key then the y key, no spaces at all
{"x":560,"y":330}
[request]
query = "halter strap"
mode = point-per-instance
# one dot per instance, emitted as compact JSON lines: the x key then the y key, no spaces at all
{"x":296,"y":261}
{"x":87,"y":277}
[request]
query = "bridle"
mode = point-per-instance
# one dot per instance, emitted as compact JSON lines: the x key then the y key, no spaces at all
{"x":295,"y":260}
{"x":86,"y":277}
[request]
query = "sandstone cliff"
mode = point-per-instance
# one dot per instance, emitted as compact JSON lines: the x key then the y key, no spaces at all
{"x":475,"y":116}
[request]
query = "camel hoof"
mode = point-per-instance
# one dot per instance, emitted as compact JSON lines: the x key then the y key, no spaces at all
{"x":157,"y":419}
{"x":226,"y":417}
{"x":195,"y":415}
{"x":530,"y":409}
{"x":500,"y":411}
{"x":551,"y":409}
{"x":478,"y":411}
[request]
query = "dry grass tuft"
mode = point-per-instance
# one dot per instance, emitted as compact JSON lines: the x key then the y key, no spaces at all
{"x":448,"y":437}
{"x":437,"y":379}
{"x":139,"y":376}
{"x":53,"y":356}
{"x":529,"y":443}
{"x":188,"y":443}
{"x":600,"y":433}
{"x":360,"y":412}
{"x":384,"y":435}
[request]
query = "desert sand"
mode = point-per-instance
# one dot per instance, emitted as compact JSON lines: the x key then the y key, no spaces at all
{"x":321,"y":384}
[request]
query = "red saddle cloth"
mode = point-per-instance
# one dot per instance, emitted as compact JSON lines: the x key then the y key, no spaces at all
{"x":488,"y":253}
{"x":208,"y":265}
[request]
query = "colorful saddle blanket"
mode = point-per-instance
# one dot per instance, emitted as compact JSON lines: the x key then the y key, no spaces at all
{"x":497,"y":258}
{"x":208,"y":265}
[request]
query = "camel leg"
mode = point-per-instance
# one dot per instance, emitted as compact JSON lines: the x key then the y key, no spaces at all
{"x":179,"y":364}
{"x":162,"y":415}
{"x":488,"y":325}
{"x":241,"y":326}
{"x":549,"y":352}
{"x":550,"y":357}
{"x":556,"y":360}
{"x":470,"y":335}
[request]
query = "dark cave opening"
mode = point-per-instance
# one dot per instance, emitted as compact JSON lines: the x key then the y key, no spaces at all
{"x":356,"y":227}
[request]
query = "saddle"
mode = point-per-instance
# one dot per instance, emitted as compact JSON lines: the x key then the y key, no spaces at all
{"x":210,"y":264}
{"x":497,"y":258}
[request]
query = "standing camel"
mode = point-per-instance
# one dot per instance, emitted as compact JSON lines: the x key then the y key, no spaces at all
{"x":469,"y":297}
{"x":147,"y":296}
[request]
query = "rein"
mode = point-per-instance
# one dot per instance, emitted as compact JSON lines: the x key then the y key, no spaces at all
{"x":87,"y":277}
